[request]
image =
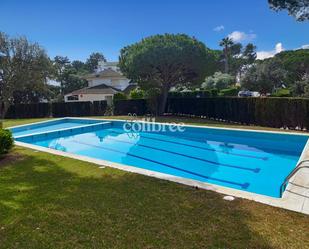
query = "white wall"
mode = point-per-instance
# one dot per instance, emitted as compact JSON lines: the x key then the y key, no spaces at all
{"x":88,"y":97}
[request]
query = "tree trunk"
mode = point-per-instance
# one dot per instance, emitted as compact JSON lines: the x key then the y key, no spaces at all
{"x":163,"y":101}
{"x":226,"y":63}
{"x":3,"y":110}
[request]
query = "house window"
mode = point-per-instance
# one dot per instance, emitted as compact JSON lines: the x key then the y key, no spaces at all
{"x":73,"y":97}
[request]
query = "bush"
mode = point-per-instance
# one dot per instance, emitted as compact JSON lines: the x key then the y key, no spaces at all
{"x":233,"y":91}
{"x":79,"y":109}
{"x":37,"y":110}
{"x":137,"y":94}
{"x":120,"y":96}
{"x":219,"y":80}
{"x":214,"y":92}
{"x":6,"y":141}
{"x":282,"y":93}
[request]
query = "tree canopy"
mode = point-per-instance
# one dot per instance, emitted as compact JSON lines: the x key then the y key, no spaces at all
{"x":264,"y":77}
{"x":297,"y":8}
{"x":219,"y":81}
{"x":25,"y":68}
{"x":93,"y":61}
{"x":295,"y":62}
{"x":163,"y":61}
{"x":235,"y":57}
{"x":70,"y":74}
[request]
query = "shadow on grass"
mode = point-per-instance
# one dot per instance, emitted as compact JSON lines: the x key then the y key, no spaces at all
{"x":55,"y":202}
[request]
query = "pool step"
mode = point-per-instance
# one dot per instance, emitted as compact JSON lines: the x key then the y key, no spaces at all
{"x":64,"y":132}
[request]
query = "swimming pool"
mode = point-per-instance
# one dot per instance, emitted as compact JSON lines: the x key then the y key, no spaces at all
{"x":51,"y":125}
{"x":256,"y":162}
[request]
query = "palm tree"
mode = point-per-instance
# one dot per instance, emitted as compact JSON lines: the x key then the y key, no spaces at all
{"x":226,"y":43}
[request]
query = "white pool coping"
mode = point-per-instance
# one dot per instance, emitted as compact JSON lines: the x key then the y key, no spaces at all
{"x":295,"y":197}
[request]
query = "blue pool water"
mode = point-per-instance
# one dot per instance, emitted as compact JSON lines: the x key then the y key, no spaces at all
{"x":50,"y":126}
{"x":250,"y":161}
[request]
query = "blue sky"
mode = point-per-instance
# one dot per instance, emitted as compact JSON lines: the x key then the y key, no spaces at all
{"x":77,"y":28}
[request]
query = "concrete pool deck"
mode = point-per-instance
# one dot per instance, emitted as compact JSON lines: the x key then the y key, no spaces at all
{"x":295,"y":197}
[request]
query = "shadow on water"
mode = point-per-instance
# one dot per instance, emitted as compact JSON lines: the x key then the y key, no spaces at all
{"x":43,"y":204}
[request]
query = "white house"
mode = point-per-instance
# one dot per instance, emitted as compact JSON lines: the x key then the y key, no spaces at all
{"x":102,"y":85}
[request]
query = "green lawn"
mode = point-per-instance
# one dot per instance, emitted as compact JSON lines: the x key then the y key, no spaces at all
{"x":48,"y":201}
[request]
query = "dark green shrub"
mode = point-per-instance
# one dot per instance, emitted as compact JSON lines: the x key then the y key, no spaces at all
{"x":120,"y":96}
{"x":137,"y":94}
{"x":175,"y":94}
{"x":57,"y":109}
{"x":126,"y":106}
{"x":79,"y":109}
{"x":214,"y":92}
{"x":233,"y":91}
{"x":202,"y":94}
{"x":35,"y":110}
{"x":6,"y":141}
{"x":282,"y":93}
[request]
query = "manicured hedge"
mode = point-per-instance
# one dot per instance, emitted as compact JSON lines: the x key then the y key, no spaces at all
{"x":137,"y":106}
{"x":71,"y":109}
{"x":42,"y":110}
{"x":99,"y":108}
{"x":270,"y":112}
{"x":39,"y":110}
{"x":6,"y":141}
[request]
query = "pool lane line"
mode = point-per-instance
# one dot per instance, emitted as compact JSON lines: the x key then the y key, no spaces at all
{"x":198,"y":147}
{"x":257,"y":149}
{"x":256,"y":170}
{"x":242,"y":185}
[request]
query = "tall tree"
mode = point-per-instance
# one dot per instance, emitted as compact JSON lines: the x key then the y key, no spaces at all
{"x":243,"y":60}
{"x":226,"y":43}
{"x":93,"y":61}
{"x":264,"y":77}
{"x":160,"y":62}
{"x":72,"y":80}
{"x":24,"y":69}
{"x":60,"y":63}
{"x":79,"y":66}
{"x":297,"y":8}
{"x":296,"y":63}
{"x":249,"y":53}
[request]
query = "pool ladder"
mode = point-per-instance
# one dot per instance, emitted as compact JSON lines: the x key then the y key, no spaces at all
{"x":132,"y":117}
{"x":287,"y":179}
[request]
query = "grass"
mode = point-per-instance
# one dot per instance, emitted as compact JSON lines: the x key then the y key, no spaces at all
{"x":13,"y":122}
{"x":48,"y":201}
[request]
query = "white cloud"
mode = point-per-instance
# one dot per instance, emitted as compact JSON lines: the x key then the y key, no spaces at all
{"x":261,"y":55}
{"x":219,"y":28}
{"x":306,"y":46}
{"x":238,"y":36}
{"x":279,"y":48}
